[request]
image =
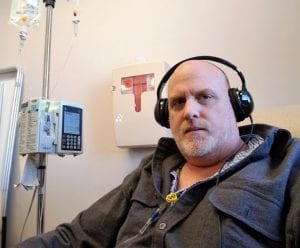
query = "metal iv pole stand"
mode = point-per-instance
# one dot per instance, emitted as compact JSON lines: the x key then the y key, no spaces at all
{"x":45,"y":94}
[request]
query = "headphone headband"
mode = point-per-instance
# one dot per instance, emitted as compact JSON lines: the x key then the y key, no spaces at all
{"x":166,"y":77}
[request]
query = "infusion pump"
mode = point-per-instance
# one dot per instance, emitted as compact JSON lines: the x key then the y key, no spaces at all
{"x":48,"y":126}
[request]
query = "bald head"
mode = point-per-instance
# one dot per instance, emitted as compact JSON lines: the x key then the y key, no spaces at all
{"x":201,"y":69}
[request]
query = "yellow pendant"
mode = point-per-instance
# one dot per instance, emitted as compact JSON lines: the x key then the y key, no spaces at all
{"x":171,"y":198}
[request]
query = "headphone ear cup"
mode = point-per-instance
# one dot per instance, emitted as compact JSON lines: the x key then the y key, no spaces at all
{"x":161,"y":112}
{"x":241,"y":102}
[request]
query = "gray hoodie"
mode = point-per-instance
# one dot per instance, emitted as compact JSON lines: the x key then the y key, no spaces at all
{"x":255,"y":203}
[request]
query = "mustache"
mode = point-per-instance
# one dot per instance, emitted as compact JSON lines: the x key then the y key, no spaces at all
{"x":190,"y":127}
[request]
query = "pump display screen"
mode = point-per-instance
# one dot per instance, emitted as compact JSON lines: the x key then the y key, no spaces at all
{"x":72,"y":125}
{"x":71,"y":122}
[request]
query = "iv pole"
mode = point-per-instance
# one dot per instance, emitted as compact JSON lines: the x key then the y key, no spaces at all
{"x":45,"y":94}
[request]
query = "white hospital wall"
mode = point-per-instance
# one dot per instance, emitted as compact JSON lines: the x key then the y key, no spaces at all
{"x":261,"y":37}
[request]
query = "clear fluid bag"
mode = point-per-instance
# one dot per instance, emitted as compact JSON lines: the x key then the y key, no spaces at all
{"x":25,"y":14}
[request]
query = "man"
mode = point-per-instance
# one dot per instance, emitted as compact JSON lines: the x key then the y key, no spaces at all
{"x":214,"y":185}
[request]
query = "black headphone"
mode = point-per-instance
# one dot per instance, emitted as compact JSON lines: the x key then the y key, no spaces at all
{"x":241,"y":100}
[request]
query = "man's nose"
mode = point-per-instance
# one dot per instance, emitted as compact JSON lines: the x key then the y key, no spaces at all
{"x":192,"y":109}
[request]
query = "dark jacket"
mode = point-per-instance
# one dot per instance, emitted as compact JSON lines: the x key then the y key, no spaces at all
{"x":256,"y":203}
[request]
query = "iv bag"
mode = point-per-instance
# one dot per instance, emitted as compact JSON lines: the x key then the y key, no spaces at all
{"x":24,"y":15}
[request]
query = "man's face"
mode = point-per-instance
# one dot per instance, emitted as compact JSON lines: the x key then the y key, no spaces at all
{"x":201,"y":116}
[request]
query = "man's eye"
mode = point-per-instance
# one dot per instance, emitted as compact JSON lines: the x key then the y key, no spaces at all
{"x":177,"y":103}
{"x":205,"y":98}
